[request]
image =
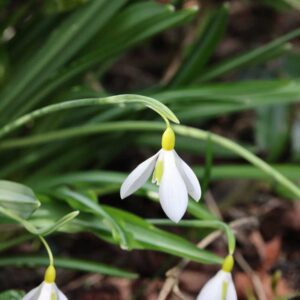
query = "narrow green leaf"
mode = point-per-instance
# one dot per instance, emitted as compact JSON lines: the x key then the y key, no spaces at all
{"x":203,"y":48}
{"x":114,"y":40}
{"x":61,"y":45}
{"x":181,"y":130}
{"x":12,"y":295}
{"x":217,"y":99}
{"x":256,"y":55}
{"x":202,"y":224}
{"x":59,"y":6}
{"x":66,"y":263}
{"x":14,"y":241}
{"x":160,"y":240}
{"x":151,"y":103}
{"x":92,"y":180}
{"x":239,"y":171}
{"x":272,"y":130}
{"x":59,"y":224}
{"x":113,"y":223}
{"x":207,"y":167}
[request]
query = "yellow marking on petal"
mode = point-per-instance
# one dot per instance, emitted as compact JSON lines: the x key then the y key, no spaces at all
{"x":168,"y":139}
{"x":50,"y":274}
{"x":228,"y":264}
{"x":158,"y":172}
{"x":224,"y":290}
{"x":53,"y":296}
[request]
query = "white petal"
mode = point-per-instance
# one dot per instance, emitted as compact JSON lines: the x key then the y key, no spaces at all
{"x":213,"y":288}
{"x":33,"y":294}
{"x":189,"y":177}
{"x":45,"y":291}
{"x":231,"y":293}
{"x":60,"y":295}
{"x":172,"y":191}
{"x":42,"y":292}
{"x":138,"y":176}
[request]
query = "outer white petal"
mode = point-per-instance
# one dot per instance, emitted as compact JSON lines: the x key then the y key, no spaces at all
{"x":33,"y":294}
{"x":138,"y":176}
{"x":213,"y":288}
{"x":60,"y":295}
{"x":172,"y":191}
{"x":189,"y":177}
{"x":44,"y":292}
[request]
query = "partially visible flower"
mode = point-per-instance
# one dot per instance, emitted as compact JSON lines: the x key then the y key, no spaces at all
{"x":47,"y":290}
{"x":221,"y":286}
{"x":173,"y":176}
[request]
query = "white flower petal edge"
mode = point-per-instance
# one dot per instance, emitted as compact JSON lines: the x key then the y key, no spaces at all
{"x":60,"y":295}
{"x":33,"y":294}
{"x":212,"y":290}
{"x":138,"y":176}
{"x":190,"y":179}
{"x":45,"y":291}
{"x":172,"y":191}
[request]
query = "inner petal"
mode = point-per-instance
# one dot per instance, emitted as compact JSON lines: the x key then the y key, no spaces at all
{"x":172,"y":191}
{"x":158,"y":172}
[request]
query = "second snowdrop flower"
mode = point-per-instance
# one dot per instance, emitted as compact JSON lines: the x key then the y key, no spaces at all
{"x":47,"y":290}
{"x":221,"y":286}
{"x":173,"y":176}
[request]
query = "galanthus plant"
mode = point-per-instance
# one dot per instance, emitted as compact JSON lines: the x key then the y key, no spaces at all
{"x":47,"y":290}
{"x":176,"y":180}
{"x":221,"y":286}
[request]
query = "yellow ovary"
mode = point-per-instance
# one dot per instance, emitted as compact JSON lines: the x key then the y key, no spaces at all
{"x":228,"y":264}
{"x":50,"y":274}
{"x":168,"y":139}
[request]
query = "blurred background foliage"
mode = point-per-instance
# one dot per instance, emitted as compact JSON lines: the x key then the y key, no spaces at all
{"x":229,"y":67}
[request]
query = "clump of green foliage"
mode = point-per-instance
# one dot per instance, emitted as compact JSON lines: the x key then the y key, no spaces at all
{"x":60,"y":129}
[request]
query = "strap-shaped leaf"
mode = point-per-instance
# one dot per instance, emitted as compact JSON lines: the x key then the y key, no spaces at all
{"x":12,"y":295}
{"x":18,"y":198}
{"x":67,"y":263}
{"x":144,"y":235}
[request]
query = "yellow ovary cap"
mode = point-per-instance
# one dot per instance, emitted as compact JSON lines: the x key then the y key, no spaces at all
{"x":168,"y":139}
{"x":228,"y":264}
{"x":50,"y":274}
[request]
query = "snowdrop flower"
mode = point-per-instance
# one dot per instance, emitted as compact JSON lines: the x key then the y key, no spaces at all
{"x":173,"y":176}
{"x":47,"y":290}
{"x":221,"y":286}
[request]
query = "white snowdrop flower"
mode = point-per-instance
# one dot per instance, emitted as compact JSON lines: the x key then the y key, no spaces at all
{"x":47,"y":290}
{"x":173,"y":176}
{"x":221,"y":286}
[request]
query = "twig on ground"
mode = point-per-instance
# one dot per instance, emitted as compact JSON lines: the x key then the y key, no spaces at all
{"x":212,"y":205}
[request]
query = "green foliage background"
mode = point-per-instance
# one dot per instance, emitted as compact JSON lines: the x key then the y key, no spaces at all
{"x":61,"y":51}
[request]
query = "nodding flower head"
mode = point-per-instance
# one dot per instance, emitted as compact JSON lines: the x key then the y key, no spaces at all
{"x":221,"y":286}
{"x":176,"y":180}
{"x":47,"y":290}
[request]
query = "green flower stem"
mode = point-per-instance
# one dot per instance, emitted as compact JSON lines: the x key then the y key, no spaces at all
{"x":156,"y":126}
{"x":200,"y":224}
{"x":48,"y":249}
{"x":29,"y":227}
{"x":151,"y":103}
